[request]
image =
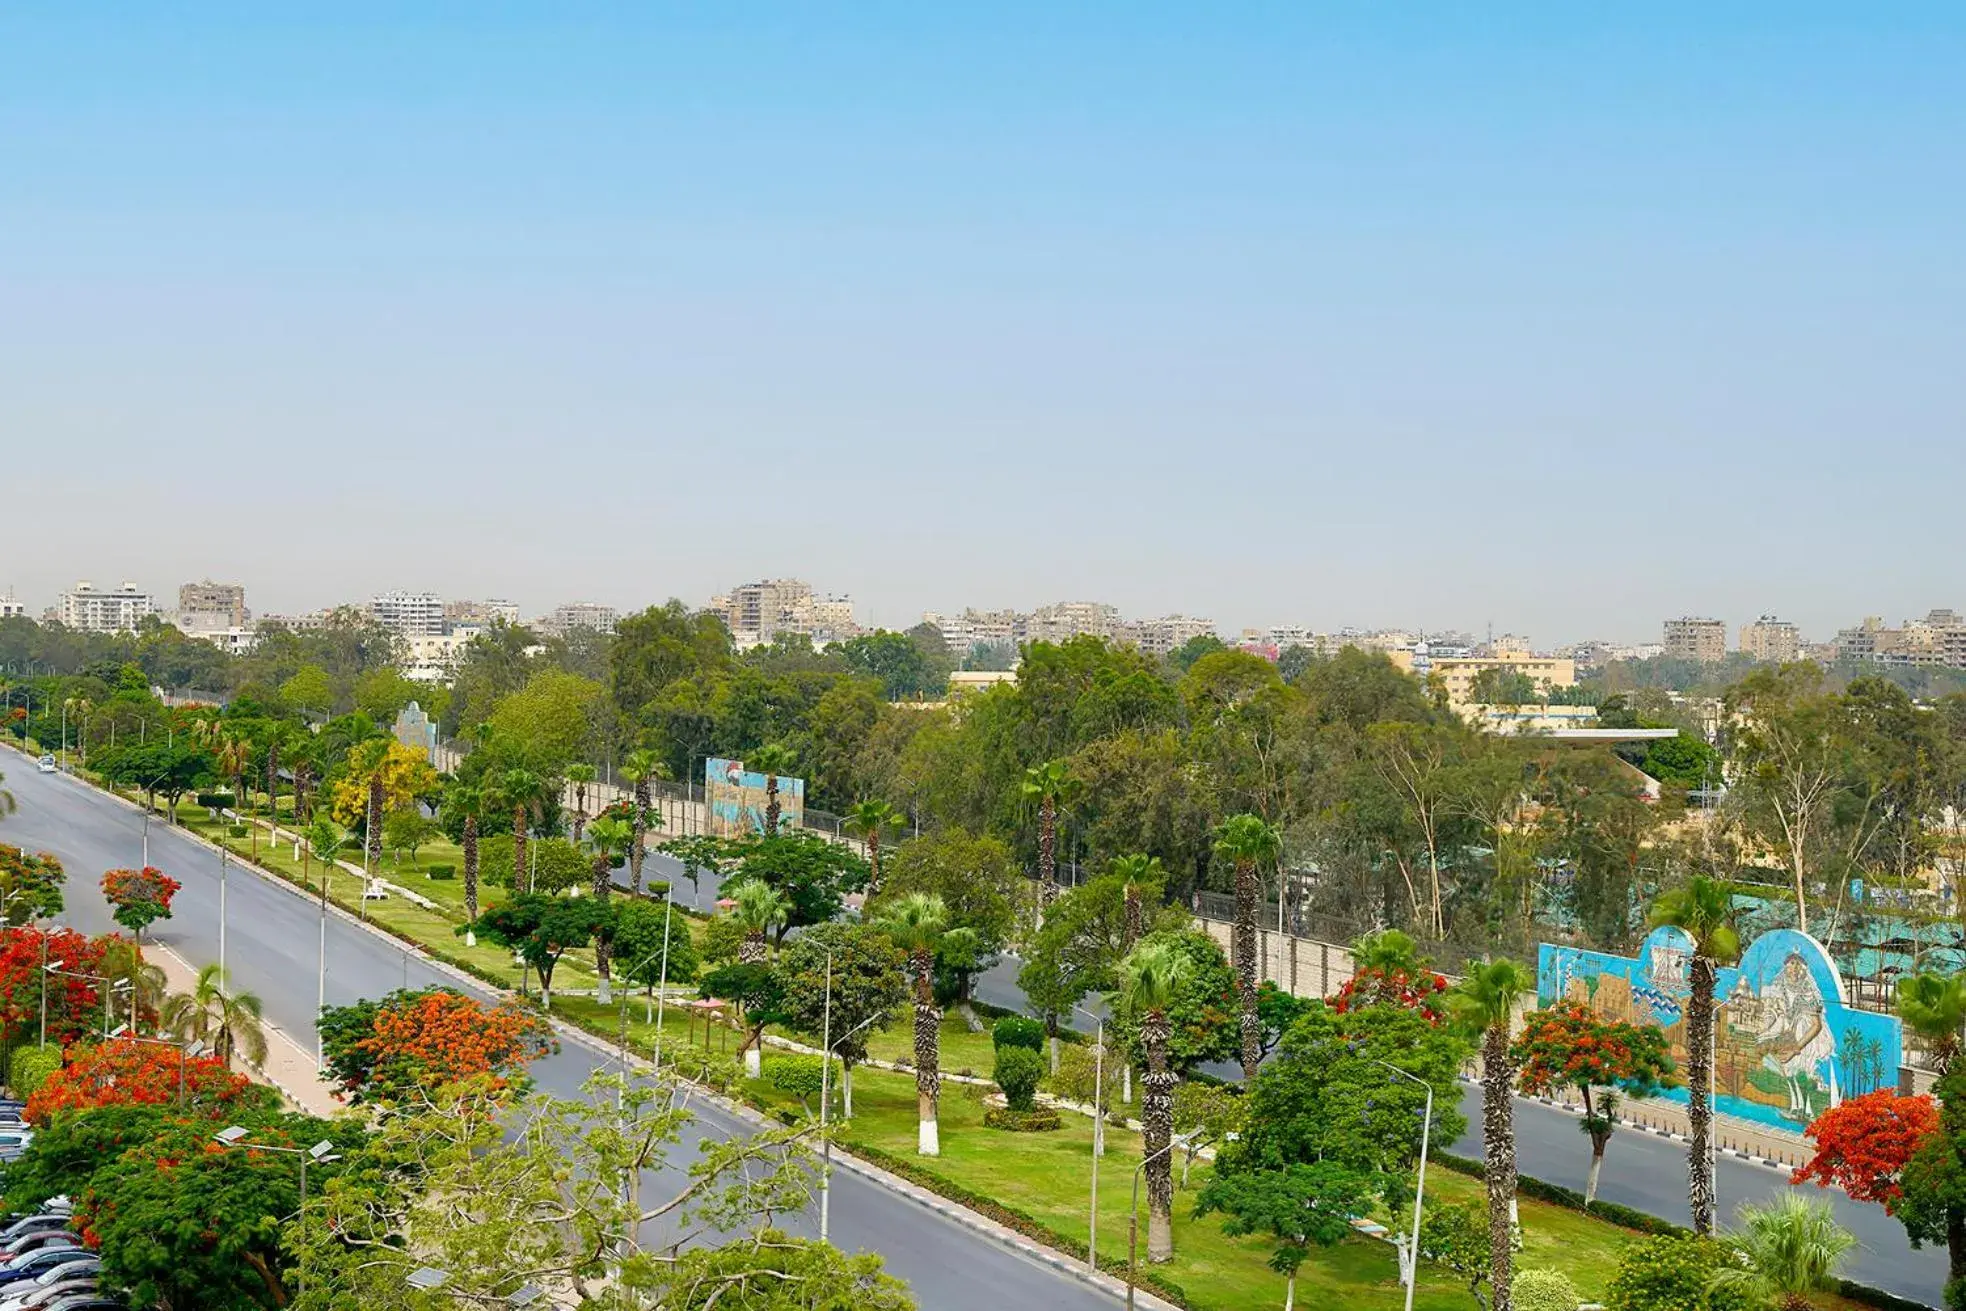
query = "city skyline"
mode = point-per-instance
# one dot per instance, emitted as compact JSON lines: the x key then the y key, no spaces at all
{"x":1562,"y":322}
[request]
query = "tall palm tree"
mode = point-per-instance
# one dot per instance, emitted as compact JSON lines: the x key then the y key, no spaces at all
{"x":609,"y":839}
{"x":234,"y":754}
{"x":369,"y":757}
{"x":465,"y":801}
{"x":1388,"y":951}
{"x":1703,"y":909}
{"x":1933,"y":1006}
{"x":274,"y":737}
{"x":581,"y":776}
{"x":1249,"y":842}
{"x":641,"y":769}
{"x":760,"y":908}
{"x":1148,"y":978}
{"x":867,"y":821}
{"x":1046,"y":788}
{"x":1135,"y":872}
{"x":1485,"y":1003}
{"x":1793,"y":1247}
{"x":773,"y":760}
{"x":517,"y":792}
{"x":916,"y":923}
{"x":231,"y":1022}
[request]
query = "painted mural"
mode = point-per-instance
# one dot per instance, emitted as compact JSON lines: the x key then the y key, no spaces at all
{"x":1787,"y":1045}
{"x":737,"y":799}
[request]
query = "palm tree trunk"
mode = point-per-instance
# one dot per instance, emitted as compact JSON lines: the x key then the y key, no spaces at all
{"x":928,"y":1078}
{"x":638,"y":848}
{"x":1498,"y":1151}
{"x":470,"y":845}
{"x":374,"y":843}
{"x":1699,"y":1092}
{"x":603,"y":948}
{"x":1156,"y":1132}
{"x":771,"y":805}
{"x":1244,"y":942}
{"x":519,"y":850}
{"x":1130,"y":934}
{"x":579,"y":810}
{"x":1047,"y":851}
{"x":873,"y":862}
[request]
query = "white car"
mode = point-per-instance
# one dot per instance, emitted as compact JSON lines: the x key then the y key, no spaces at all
{"x":48,"y":766}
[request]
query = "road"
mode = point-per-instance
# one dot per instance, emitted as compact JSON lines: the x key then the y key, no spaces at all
{"x":271,"y":949}
{"x":1641,"y":1170}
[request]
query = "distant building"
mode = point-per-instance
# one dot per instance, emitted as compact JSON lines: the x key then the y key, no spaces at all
{"x":85,"y":609}
{"x":1775,"y":641}
{"x":210,"y":607}
{"x":12,"y":609}
{"x":756,"y":613}
{"x":479,"y":614}
{"x":963,"y":633}
{"x":1064,"y":620}
{"x":409,"y":614}
{"x":1937,"y":639}
{"x":590,"y":615}
{"x":1688,"y":638}
{"x":1457,"y":674}
{"x":433,"y":657}
{"x":311,"y":622}
{"x":232,"y":641}
{"x":1159,"y":637}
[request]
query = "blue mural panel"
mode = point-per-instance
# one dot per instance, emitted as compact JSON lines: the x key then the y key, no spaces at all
{"x":1787,"y":1046}
{"x":737,"y":799}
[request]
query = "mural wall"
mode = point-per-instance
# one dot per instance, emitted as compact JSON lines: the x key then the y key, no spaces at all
{"x":1787,"y":1046}
{"x":737,"y":799}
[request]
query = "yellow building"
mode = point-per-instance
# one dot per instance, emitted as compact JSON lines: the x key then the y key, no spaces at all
{"x":1457,"y":673}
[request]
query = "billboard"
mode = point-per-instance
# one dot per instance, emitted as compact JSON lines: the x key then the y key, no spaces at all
{"x":1787,"y":1046}
{"x":736,"y":798}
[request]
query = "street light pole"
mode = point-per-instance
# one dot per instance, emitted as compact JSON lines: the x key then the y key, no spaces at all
{"x":1410,"y":1257}
{"x":1098,"y":1136}
{"x":321,"y":1153}
{"x":825,"y":1070}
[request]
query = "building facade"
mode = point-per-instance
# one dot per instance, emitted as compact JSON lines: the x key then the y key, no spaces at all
{"x":209,"y":607}
{"x":409,"y":614}
{"x":1457,"y":674}
{"x":1688,"y":638}
{"x":590,"y":615}
{"x":756,"y":613}
{"x":1769,"y":639}
{"x":88,"y":610}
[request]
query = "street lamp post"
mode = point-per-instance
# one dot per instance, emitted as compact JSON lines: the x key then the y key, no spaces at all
{"x":108,"y":995}
{"x":1098,"y":1135}
{"x":1133,"y":1224}
{"x":827,"y":1044}
{"x":321,"y":1153}
{"x":186,"y":1052}
{"x":1409,"y":1257}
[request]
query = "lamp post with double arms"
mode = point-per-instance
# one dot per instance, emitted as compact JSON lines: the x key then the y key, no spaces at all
{"x":321,"y":1153}
{"x":186,"y":1052}
{"x":1409,"y":1257}
{"x":827,"y":1044}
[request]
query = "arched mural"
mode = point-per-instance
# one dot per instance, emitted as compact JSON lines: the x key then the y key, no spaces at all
{"x":1787,"y":1045}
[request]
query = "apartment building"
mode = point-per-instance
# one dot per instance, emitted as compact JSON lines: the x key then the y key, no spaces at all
{"x":590,"y":615}
{"x":12,"y":609}
{"x":479,"y":614}
{"x":84,"y":608}
{"x":1688,"y":638}
{"x":1775,"y":641}
{"x":409,"y":614}
{"x":757,"y":612}
{"x":209,"y":607}
{"x":963,"y":633}
{"x":1159,"y":637}
{"x":1064,"y":620}
{"x":1458,"y":673}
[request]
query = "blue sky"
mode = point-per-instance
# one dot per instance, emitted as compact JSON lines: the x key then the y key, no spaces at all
{"x":1424,"y":314}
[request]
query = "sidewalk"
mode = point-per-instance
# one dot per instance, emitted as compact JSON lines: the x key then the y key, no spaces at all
{"x":289,"y":1066}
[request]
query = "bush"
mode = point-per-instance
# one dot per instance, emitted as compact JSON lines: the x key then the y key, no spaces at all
{"x":215,"y":801}
{"x":1039,"y":1119}
{"x":798,"y":1075}
{"x":31,"y":1067}
{"x":1017,"y":1073}
{"x":1017,"y":1031}
{"x":1671,"y":1273}
{"x":440,"y":872}
{"x":1545,"y":1290}
{"x":236,"y":830}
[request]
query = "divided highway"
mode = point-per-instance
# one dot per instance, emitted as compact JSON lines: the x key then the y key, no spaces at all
{"x":271,"y":938}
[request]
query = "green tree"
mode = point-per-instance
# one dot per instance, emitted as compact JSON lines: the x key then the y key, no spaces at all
{"x":639,"y":770}
{"x":1484,"y":1003}
{"x":408,"y":830}
{"x":1249,"y":844}
{"x":1150,"y":979}
{"x":916,"y":924}
{"x":550,"y":717}
{"x":1671,"y":1273}
{"x":867,"y":974}
{"x":542,"y":929}
{"x":1046,"y":789}
{"x":1300,"y":1206}
{"x":1202,"y":1019}
{"x":30,"y":885}
{"x":1703,"y":909}
{"x":309,"y":690}
{"x":1568,"y":1045}
{"x":868,"y":821}
{"x":760,"y":909}
{"x":229,"y":1022}
{"x":814,"y":874}
{"x":1933,"y":1006}
{"x":1792,"y":1247}
{"x":643,"y":933}
{"x":1791,"y":757}
{"x":980,"y":888}
{"x":609,"y":839}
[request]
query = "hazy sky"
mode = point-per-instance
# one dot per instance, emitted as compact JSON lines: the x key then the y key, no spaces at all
{"x":1564,"y":317}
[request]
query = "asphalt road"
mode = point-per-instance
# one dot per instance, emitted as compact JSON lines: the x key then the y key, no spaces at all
{"x":272,"y":941}
{"x":1641,"y":1170}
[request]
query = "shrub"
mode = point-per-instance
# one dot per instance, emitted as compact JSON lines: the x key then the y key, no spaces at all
{"x":798,"y":1075}
{"x":236,"y":830}
{"x":31,"y":1067}
{"x":1017,"y":1031}
{"x":1039,"y":1119}
{"x":1545,"y":1290}
{"x":215,"y":801}
{"x":440,"y":872}
{"x":1671,"y":1273}
{"x":1017,"y":1073}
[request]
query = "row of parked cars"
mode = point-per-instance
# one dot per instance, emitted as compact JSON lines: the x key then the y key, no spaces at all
{"x":43,"y":1265}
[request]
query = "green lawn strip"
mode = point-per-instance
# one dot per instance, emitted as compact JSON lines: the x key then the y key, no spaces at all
{"x":1047,"y":1178}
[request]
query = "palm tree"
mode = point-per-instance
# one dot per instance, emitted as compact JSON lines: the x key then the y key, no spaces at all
{"x":915,"y":923}
{"x":368,"y":758}
{"x":1249,"y":842}
{"x":233,"y":756}
{"x":230,"y":1021}
{"x":867,"y":821}
{"x":518,"y":791}
{"x":123,"y":962}
{"x":1704,"y":910}
{"x":1148,"y":978}
{"x":1485,"y":1003}
{"x":1792,"y":1247}
{"x":609,"y":838}
{"x":464,"y":801}
{"x":1933,"y":1006}
{"x":640,"y":769}
{"x":1046,"y":788}
{"x":274,"y":737}
{"x":580,"y":775}
{"x":760,"y":908}
{"x":772,"y":760}
{"x":1388,"y":951}
{"x":1135,"y":872}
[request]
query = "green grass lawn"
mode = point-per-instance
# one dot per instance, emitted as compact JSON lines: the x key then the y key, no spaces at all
{"x":1047,"y":1176}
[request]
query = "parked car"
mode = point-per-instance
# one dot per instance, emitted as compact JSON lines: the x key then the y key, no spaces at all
{"x":48,"y":766}
{"x":52,"y":1286}
{"x":15,"y":1137}
{"x":91,"y":1301}
{"x":39,"y":1263}
{"x":32,"y":1224}
{"x":35,"y":1242}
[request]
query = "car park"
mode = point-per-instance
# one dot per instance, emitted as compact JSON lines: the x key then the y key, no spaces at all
{"x":41,"y":1241}
{"x":52,"y":1286}
{"x":39,"y":1263}
{"x":32,"y":1224}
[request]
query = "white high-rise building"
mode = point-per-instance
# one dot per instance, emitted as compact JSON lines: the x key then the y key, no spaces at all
{"x":409,"y":614}
{"x":90,"y":611}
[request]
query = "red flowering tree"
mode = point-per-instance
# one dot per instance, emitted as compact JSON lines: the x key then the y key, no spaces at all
{"x":141,"y":896}
{"x":1417,"y":989}
{"x":135,"y":1073}
{"x":30,"y":885}
{"x":1570,"y":1046}
{"x":377,"y":1050}
{"x":1864,"y":1144}
{"x":74,"y":1005}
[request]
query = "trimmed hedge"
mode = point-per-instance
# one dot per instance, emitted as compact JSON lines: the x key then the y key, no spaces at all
{"x":440,"y":872}
{"x":31,"y":1067}
{"x":215,"y":801}
{"x":1017,"y":1031}
{"x":1039,"y":1119}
